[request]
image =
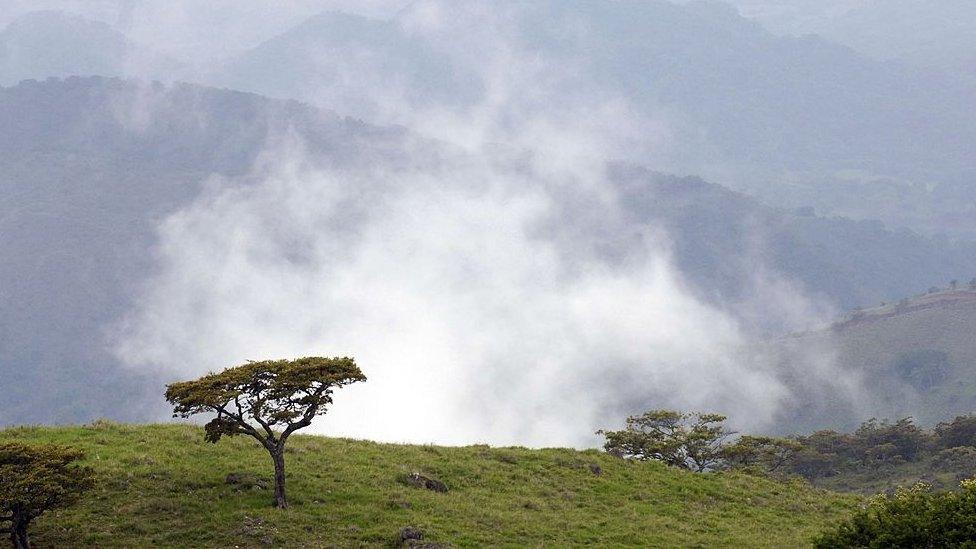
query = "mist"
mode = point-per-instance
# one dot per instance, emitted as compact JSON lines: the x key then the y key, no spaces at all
{"x":501,"y":296}
{"x":471,"y":320}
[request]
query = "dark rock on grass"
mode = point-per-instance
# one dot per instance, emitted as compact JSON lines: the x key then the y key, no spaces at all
{"x":596,"y":469}
{"x":409,"y":534}
{"x":414,"y":537}
{"x":247,"y":481}
{"x":420,"y":481}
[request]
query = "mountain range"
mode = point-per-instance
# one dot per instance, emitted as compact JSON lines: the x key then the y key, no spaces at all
{"x":793,"y":121}
{"x":93,"y":165}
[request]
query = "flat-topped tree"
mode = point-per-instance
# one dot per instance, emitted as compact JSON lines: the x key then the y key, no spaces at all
{"x":268,"y":400}
{"x":35,"y":478}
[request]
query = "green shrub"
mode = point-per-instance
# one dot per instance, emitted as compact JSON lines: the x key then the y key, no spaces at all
{"x":915,"y":517}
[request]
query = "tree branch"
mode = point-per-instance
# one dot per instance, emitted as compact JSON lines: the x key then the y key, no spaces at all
{"x":256,"y":413}
{"x":307,"y":416}
{"x":245,"y":426}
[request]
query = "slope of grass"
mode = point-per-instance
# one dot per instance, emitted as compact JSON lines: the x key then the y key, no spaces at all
{"x":162,"y":485}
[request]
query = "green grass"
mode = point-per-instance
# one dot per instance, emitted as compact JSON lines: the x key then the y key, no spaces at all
{"x":163,"y":485}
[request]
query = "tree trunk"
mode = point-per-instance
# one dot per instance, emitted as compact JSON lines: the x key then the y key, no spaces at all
{"x":278,"y":456}
{"x":18,"y":534}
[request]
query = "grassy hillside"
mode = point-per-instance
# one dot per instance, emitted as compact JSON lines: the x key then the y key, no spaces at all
{"x":163,"y":485}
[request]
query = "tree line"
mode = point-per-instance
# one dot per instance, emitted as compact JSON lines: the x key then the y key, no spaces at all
{"x":701,"y":442}
{"x":913,"y":516}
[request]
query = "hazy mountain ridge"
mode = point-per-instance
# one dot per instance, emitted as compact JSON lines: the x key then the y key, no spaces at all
{"x":92,"y":174}
{"x":88,"y":176}
{"x":932,"y":34}
{"x":52,"y":43}
{"x":755,"y":110}
{"x":850,"y":263}
{"x":782,"y":118}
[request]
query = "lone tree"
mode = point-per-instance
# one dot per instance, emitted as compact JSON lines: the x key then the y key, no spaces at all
{"x":268,"y":400}
{"x":687,"y":440}
{"x":35,"y":479}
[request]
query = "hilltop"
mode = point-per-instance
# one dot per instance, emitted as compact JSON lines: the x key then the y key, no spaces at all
{"x":162,"y":485}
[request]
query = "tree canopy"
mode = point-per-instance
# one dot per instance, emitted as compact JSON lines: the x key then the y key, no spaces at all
{"x":267,"y":400}
{"x":686,"y":440}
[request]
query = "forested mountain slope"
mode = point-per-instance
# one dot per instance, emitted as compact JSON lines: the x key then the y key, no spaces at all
{"x":90,"y":165}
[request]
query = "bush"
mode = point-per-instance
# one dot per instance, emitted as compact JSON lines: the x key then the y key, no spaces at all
{"x":34,"y":479}
{"x":915,"y":517}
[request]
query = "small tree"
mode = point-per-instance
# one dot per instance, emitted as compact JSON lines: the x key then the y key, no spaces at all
{"x":35,"y":479}
{"x":266,"y":400}
{"x":687,"y":440}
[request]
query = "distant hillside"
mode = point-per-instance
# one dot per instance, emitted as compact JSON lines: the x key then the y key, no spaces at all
{"x":722,"y":238}
{"x":90,"y":166}
{"x":932,"y":34}
{"x":162,"y":485}
{"x":47,"y":44}
{"x":800,"y":104}
{"x":759,"y":111}
{"x":918,"y":355}
{"x":796,"y":121}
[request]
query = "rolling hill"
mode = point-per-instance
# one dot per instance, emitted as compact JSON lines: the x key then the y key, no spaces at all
{"x":162,"y":485}
{"x":917,"y":355}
